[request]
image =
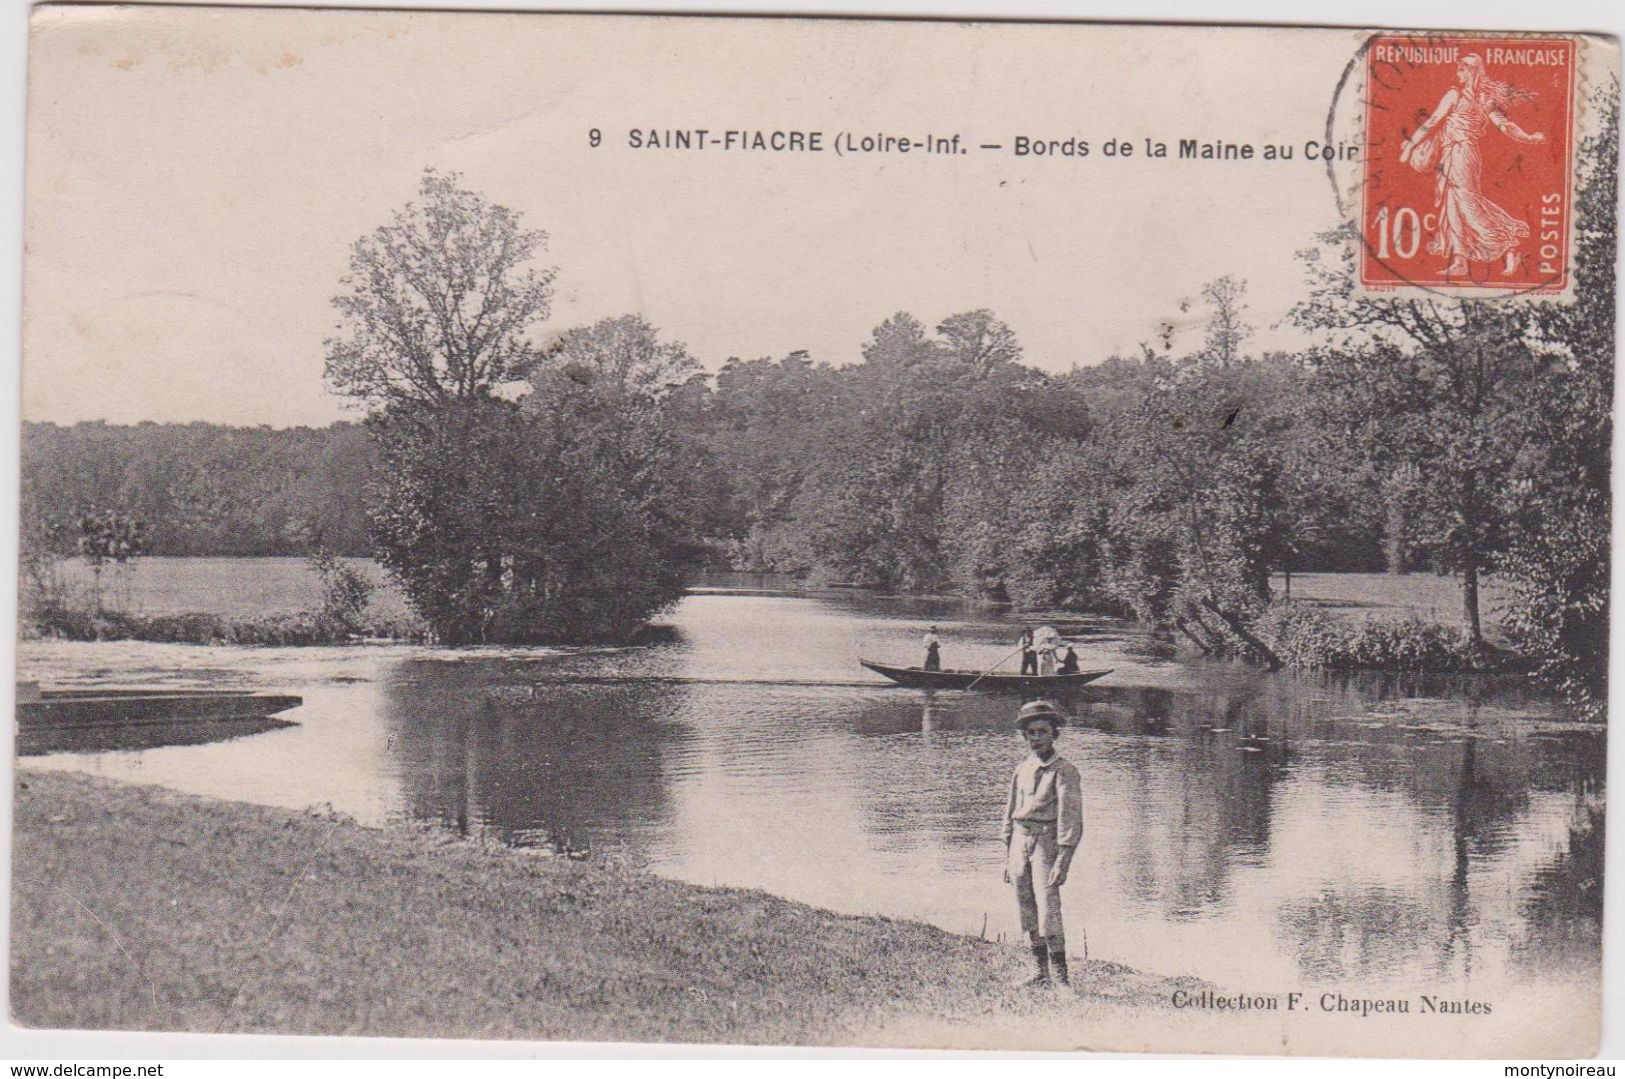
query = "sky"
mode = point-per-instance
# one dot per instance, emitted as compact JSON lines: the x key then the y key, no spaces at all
{"x":196,"y":178}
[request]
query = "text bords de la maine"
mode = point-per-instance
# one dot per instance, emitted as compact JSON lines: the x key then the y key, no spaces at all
{"x":690,"y":140}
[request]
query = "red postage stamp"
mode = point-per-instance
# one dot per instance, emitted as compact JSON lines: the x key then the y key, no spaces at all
{"x":1468,"y":177}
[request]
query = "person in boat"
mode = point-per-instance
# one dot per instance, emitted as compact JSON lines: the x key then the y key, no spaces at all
{"x":1047,"y":639}
{"x":1043,"y":824}
{"x":1029,"y":654}
{"x":933,"y":650}
{"x":1069,"y":661}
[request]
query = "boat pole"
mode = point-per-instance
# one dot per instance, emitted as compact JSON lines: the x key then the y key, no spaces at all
{"x":993,"y":668}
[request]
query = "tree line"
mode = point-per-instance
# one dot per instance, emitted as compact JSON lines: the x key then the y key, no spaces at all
{"x":201,"y":488}
{"x":525,"y":493}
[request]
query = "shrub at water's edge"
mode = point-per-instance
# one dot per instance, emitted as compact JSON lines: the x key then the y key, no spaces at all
{"x":346,"y":593}
{"x":1308,"y":637}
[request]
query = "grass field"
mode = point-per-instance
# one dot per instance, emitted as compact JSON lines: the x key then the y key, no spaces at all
{"x":140,"y":909}
{"x":1380,"y":595}
{"x":232,"y":587}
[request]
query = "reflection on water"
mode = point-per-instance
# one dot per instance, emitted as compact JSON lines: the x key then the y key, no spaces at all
{"x":557,"y":770}
{"x":1259,"y":830}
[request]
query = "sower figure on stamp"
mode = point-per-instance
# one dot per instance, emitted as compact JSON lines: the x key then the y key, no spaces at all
{"x":1471,"y":227}
{"x":1043,"y":822}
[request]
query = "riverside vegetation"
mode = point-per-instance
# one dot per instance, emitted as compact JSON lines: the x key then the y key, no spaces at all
{"x":560,"y":494}
{"x":60,"y":609}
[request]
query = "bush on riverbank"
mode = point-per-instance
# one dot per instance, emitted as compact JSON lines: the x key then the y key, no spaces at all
{"x":1304,"y":636}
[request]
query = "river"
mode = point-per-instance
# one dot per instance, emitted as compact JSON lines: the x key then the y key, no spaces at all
{"x":1263,"y":831}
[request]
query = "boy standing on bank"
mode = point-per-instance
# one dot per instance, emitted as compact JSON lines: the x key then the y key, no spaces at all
{"x":1043,"y":822}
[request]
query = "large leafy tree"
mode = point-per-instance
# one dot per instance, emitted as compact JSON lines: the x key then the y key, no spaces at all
{"x":438,"y":304}
{"x":607,"y":518}
{"x":436,"y":312}
{"x":979,"y":342}
{"x":1430,"y":388}
{"x":441,"y":506}
{"x":899,"y":342}
{"x":1559,"y":496}
{"x":928,"y":444}
{"x":1203,"y":513}
{"x":525,"y":495}
{"x":766,"y":425}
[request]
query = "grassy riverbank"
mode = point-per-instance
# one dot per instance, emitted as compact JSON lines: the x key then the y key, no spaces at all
{"x":1364,"y":597}
{"x":138,"y":908}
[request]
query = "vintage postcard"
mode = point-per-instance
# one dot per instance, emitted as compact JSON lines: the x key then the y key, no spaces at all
{"x":815,"y":532}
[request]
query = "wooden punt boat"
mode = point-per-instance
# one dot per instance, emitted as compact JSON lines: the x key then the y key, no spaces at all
{"x":82,"y":708}
{"x":920,"y":678}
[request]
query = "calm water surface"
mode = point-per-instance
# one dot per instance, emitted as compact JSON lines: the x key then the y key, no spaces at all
{"x":1263,"y":831}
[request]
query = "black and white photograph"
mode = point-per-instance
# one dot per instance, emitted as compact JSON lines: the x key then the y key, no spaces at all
{"x":814,"y":532}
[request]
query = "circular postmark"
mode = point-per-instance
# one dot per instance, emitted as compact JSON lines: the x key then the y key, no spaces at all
{"x":1463,"y":181}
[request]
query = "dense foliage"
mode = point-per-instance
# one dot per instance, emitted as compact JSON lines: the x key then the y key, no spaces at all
{"x":1166,"y":486}
{"x":1559,"y":496}
{"x":200,"y":488}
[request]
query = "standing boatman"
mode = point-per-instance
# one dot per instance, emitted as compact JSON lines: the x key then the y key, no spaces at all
{"x":933,"y":650}
{"x":1043,"y":823}
{"x":1029,"y":654}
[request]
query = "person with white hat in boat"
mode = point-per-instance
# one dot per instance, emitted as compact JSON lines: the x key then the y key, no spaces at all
{"x":1043,"y":824}
{"x":1045,"y":639}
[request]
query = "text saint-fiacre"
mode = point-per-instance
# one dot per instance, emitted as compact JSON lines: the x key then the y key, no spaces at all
{"x":704,"y":138}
